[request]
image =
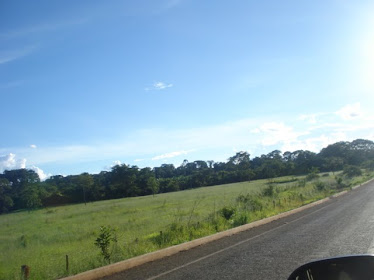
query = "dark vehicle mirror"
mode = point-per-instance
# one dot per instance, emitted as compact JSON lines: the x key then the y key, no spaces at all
{"x":359,"y":267}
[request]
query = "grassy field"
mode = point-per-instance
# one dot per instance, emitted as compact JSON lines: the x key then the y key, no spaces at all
{"x":42,"y":238}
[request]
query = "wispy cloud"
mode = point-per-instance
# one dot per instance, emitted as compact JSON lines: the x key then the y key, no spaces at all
{"x":32,"y":146}
{"x":167,"y":5}
{"x":10,"y":55}
{"x":311,"y":118}
{"x":159,"y":86}
{"x":172,"y":3}
{"x":42,"y":27}
{"x":11,"y":84}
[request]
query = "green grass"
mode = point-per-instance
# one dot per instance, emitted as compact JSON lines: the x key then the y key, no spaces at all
{"x":42,"y":238}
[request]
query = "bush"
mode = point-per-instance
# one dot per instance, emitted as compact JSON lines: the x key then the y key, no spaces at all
{"x":243,"y":198}
{"x":175,"y":232}
{"x":369,"y":165}
{"x":228,"y":212}
{"x":320,"y":186}
{"x":240,"y":219}
{"x":269,"y":191}
{"x":301,"y":183}
{"x":104,"y":240}
{"x":339,"y":182}
{"x":255,"y":204}
{"x":251,"y":203}
{"x":311,"y":176}
{"x":352,"y":171}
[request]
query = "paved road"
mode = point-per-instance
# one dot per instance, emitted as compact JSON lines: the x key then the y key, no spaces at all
{"x":342,"y":226}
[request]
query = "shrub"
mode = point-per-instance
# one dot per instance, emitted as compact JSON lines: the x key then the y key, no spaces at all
{"x":104,"y":240}
{"x":251,"y":203}
{"x":352,"y":171}
{"x":171,"y":235}
{"x":301,"y":183}
{"x":311,"y":176}
{"x":339,"y":183}
{"x":369,"y":165}
{"x":269,"y":191}
{"x":242,"y":198}
{"x":228,"y":212}
{"x":255,"y":204}
{"x":320,"y":186}
{"x":240,"y":219}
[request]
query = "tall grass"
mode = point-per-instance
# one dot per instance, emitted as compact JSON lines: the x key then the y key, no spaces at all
{"x":42,"y":238}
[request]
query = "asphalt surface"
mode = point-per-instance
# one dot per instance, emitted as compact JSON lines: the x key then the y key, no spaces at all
{"x":342,"y":226}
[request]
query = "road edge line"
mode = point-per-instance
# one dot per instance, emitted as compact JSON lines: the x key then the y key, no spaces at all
{"x":111,"y":269}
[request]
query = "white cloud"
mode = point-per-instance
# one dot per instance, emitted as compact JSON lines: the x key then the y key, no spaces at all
{"x":9,"y":162}
{"x":40,"y":173}
{"x":116,"y":162}
{"x":139,"y":159}
{"x":159,"y":86}
{"x":32,"y":146}
{"x":350,"y":111}
{"x":274,"y":133}
{"x":170,"y":155}
{"x":313,"y":144}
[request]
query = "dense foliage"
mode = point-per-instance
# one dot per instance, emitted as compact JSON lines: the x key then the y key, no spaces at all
{"x":22,"y":188}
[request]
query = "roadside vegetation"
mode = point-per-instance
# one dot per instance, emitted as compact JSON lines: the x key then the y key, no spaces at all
{"x":104,"y":232}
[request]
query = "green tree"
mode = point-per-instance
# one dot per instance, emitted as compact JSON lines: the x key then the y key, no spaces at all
{"x":123,"y":181}
{"x":6,"y":202}
{"x":20,"y":180}
{"x":152,"y":185}
{"x":333,"y":164}
{"x":85,"y":182}
{"x":31,"y":197}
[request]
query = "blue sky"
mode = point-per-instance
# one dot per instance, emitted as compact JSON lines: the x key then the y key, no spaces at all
{"x":88,"y":84}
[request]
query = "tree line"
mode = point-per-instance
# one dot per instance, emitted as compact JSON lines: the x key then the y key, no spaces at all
{"x":22,"y":188}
